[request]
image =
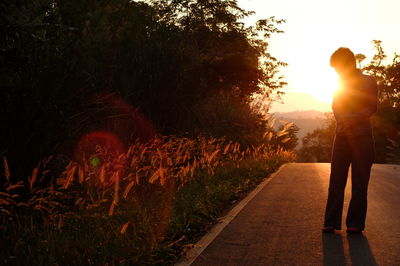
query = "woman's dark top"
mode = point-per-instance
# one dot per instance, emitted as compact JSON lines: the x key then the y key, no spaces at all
{"x":354,"y":103}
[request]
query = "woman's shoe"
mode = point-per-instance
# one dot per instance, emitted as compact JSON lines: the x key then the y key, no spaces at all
{"x":354,"y":230}
{"x":328,"y":229}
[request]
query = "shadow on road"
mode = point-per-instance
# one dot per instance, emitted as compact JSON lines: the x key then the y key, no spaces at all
{"x":359,"y":249}
{"x":333,"y":250}
{"x":360,"y":252}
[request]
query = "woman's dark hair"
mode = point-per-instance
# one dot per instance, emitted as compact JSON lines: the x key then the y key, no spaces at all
{"x":343,"y":56}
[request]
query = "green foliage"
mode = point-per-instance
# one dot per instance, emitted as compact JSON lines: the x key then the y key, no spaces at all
{"x":59,"y":58}
{"x":386,"y":121}
{"x":387,"y":77}
{"x":226,"y":116}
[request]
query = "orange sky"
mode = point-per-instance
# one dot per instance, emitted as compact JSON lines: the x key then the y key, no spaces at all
{"x":313,"y":30}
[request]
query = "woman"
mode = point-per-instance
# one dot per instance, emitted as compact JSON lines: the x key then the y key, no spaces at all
{"x":353,"y":105}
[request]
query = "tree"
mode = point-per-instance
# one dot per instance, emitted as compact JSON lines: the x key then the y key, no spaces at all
{"x":317,"y":145}
{"x":386,"y":122}
{"x":359,"y":59}
{"x":72,"y":67}
{"x":387,"y":76}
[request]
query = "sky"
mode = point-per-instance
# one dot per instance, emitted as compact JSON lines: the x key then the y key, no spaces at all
{"x":314,"y":29}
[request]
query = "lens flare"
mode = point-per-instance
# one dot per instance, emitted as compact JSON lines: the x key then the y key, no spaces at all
{"x":118,"y":125}
{"x":95,"y":161}
{"x":97,"y":143}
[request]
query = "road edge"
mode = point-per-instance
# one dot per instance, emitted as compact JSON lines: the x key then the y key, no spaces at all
{"x":202,"y":244}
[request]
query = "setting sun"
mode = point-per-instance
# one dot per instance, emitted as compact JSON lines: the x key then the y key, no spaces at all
{"x":320,"y":83}
{"x":313,"y":31}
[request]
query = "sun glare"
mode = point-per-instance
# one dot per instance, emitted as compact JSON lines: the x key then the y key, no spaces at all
{"x":318,"y":83}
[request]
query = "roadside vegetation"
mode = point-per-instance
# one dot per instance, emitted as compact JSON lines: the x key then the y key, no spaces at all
{"x":144,"y":206}
{"x":128,"y":127}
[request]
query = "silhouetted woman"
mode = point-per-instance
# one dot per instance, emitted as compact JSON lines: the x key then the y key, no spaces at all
{"x":353,"y":105}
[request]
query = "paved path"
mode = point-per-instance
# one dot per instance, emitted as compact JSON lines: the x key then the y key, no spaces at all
{"x":282,"y":224}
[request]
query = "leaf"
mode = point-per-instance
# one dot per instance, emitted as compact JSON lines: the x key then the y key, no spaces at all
{"x":4,"y":202}
{"x":155,"y":176}
{"x":128,"y":188}
{"x":111,"y":210}
{"x":81,"y":174}
{"x":124,"y":228}
{"x":227,"y":148}
{"x":186,"y":169}
{"x":6,"y":169}
{"x":287,"y":126}
{"x":281,"y":133}
{"x":115,"y":177}
{"x":236,"y":147}
{"x":160,"y":154}
{"x":142,"y":153}
{"x":70,"y":176}
{"x":271,"y":122}
{"x":102,"y":174}
{"x":269,"y":136}
{"x":137,"y":178}
{"x":32,"y":179}
{"x":78,"y":201}
{"x":6,"y":211}
{"x":14,"y":186}
{"x":213,"y":155}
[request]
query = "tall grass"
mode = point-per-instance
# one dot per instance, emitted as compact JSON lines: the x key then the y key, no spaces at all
{"x":139,"y":207}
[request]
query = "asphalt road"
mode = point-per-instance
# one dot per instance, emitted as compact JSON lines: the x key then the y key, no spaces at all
{"x":282,"y":224}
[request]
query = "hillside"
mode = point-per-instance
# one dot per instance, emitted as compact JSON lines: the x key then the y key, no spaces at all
{"x":301,"y":114}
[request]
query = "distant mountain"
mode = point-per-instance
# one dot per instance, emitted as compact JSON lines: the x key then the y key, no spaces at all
{"x":301,"y":114}
{"x":307,"y":121}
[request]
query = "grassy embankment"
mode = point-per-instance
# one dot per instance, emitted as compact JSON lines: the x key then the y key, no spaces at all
{"x":142,"y":207}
